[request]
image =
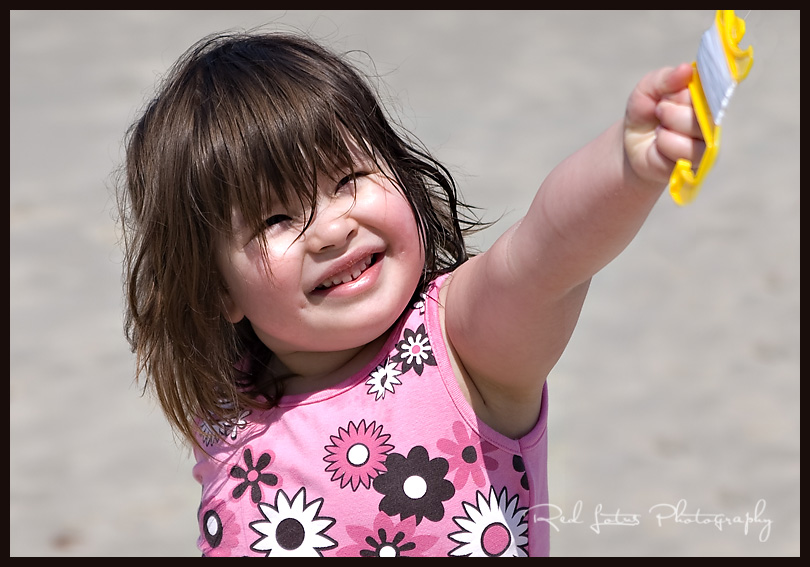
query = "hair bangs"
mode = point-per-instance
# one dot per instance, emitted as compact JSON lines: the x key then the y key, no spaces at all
{"x":269,"y":136}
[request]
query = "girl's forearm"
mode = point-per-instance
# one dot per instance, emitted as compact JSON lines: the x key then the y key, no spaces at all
{"x":585,"y":213}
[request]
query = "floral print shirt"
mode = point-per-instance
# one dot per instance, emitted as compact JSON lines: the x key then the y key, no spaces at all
{"x":391,"y":462}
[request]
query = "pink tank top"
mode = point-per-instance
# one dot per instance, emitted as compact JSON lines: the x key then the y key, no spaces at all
{"x":391,"y":462}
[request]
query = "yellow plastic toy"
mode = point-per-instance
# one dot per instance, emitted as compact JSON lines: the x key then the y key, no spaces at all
{"x":720,"y":65}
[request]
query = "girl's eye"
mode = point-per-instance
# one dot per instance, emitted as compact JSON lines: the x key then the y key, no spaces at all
{"x":349,"y":180}
{"x":275,"y":219}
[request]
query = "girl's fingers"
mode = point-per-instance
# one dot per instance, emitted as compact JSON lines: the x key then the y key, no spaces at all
{"x":660,"y":123}
{"x":667,"y":83}
{"x":678,"y":117}
{"x":681,"y":97}
{"x":673,"y":146}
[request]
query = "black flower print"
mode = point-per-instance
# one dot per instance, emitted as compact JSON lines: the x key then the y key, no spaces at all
{"x":520,"y":466}
{"x":212,"y":528}
{"x":219,"y":529}
{"x":387,"y":538}
{"x":381,"y":547}
{"x":252,"y":476}
{"x":414,"y":350}
{"x":414,"y":485}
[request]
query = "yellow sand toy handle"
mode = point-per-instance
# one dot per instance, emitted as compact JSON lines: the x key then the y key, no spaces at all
{"x":732,"y":30}
{"x":684,"y":183}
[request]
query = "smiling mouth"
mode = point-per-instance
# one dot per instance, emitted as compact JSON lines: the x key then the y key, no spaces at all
{"x":348,"y":275}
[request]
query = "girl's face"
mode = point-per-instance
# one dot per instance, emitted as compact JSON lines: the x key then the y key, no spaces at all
{"x":339,"y":285}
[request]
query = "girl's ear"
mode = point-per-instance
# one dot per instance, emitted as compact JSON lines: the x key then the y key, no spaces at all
{"x":230,"y":309}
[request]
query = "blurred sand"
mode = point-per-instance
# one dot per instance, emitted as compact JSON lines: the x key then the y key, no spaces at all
{"x":680,"y":383}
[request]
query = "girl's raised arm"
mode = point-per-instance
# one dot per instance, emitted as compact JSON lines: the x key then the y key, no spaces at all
{"x":510,"y":311}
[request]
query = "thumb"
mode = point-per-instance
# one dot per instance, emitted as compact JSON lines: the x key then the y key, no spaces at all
{"x":669,"y":81}
{"x":653,"y":87}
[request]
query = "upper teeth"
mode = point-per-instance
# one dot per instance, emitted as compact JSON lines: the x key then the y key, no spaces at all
{"x":348,"y":275}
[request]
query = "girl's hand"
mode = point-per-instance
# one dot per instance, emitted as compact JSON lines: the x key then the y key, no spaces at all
{"x":660,"y":125}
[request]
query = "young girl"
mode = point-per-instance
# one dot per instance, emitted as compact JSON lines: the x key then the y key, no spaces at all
{"x":354,"y":382}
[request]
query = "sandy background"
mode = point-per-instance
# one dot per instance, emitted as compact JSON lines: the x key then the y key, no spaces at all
{"x":680,"y":383}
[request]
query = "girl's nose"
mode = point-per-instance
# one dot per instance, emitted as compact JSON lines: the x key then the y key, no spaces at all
{"x":333,"y":225}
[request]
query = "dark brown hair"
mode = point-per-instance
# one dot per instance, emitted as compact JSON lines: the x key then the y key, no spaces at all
{"x":240,"y":121}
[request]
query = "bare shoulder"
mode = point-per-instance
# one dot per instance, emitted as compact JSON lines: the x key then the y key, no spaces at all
{"x":502,"y":343}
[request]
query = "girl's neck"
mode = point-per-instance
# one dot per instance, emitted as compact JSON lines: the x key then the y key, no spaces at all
{"x":307,"y":372}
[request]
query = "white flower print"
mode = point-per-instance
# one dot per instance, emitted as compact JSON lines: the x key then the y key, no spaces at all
{"x":292,"y":528}
{"x":420,"y":303}
{"x":496,"y":527}
{"x":383,"y":379}
{"x":209,"y":434}
{"x":213,"y":431}
{"x":415,"y":351}
{"x":234,"y":425}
